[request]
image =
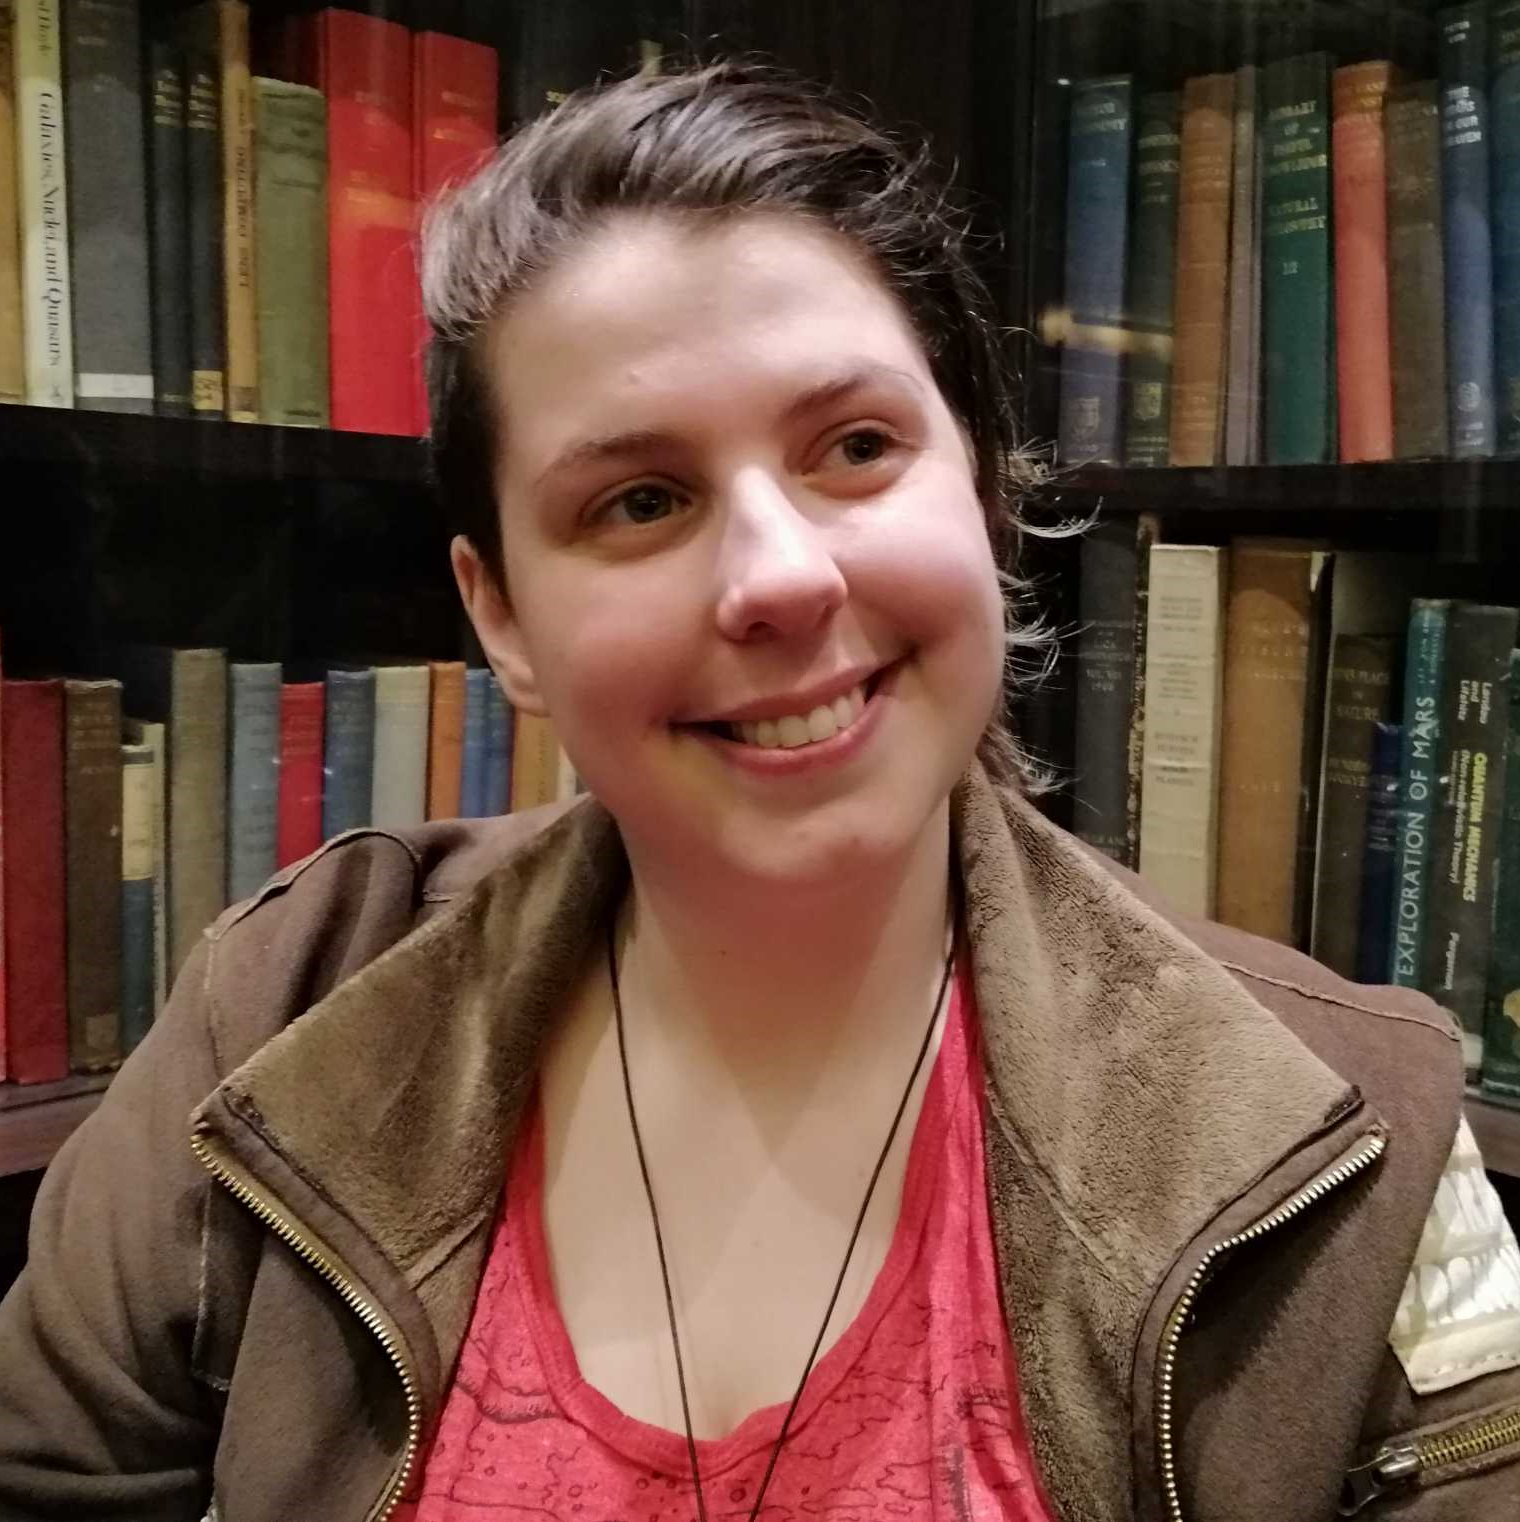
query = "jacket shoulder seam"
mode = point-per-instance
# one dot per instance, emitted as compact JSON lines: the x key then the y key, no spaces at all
{"x":1325,"y":997}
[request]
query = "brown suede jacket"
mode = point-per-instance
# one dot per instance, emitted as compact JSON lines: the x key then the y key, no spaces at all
{"x":1209,"y":1163}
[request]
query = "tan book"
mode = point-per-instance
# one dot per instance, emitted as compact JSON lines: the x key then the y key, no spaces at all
{"x":12,"y":349}
{"x":153,"y":737}
{"x":1184,"y":658}
{"x":399,"y":780}
{"x":535,"y":762}
{"x":1200,"y":320}
{"x":445,"y":740}
{"x":1274,"y":672}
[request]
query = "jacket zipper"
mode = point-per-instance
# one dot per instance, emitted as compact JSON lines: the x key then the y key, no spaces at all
{"x":367,"y":1312}
{"x":1403,"y":1461}
{"x":1364,"y":1156}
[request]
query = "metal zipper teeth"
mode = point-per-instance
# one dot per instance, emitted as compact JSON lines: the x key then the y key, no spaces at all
{"x":368,"y":1313}
{"x":1469,"y":1442}
{"x":1367,"y":1154}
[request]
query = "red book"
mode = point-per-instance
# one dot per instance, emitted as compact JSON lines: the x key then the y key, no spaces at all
{"x":31,"y":760}
{"x":1359,"y":169}
{"x":454,"y":95}
{"x":300,"y":816}
{"x":364,"y":68}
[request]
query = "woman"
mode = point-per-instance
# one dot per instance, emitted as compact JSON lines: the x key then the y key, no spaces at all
{"x":800,"y":1125}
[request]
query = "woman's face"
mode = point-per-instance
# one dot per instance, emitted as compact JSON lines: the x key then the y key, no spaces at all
{"x":738,"y":515}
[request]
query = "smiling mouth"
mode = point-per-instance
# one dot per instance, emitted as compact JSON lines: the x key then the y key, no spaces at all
{"x":793,"y":731}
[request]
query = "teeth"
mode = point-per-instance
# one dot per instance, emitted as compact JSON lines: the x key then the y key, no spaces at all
{"x":822,"y":723}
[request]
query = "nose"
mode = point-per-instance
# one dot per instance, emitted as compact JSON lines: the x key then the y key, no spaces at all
{"x":777,"y":574}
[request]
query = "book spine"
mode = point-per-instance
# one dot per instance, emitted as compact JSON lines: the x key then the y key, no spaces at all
{"x":239,"y":275}
{"x":12,"y":345}
{"x":1105,"y":674}
{"x":1380,"y":860}
{"x":1468,"y":806}
{"x":168,"y":232}
{"x":203,"y":214}
{"x":36,"y":980}
{"x":197,"y":798}
{"x":1152,"y":272}
{"x":1364,"y":367}
{"x":399,"y":788}
{"x":445,"y":740}
{"x":1202,"y":270}
{"x":1184,"y":661}
{"x":1360,"y":698}
{"x":1463,"y":51}
{"x":1504,"y":124}
{"x":1147,"y":533}
{"x":138,"y":789}
{"x":291,"y":223}
{"x":300,"y":809}
{"x":154,"y":737}
{"x":496,"y":787}
{"x":253,"y":777}
{"x":92,"y":874}
{"x":1416,"y":273}
{"x":349,"y":752}
{"x":1501,"y":1028}
{"x":107,"y":192}
{"x":1097,"y":218}
{"x":472,"y":789}
{"x":42,"y":177}
{"x":1242,"y":425}
{"x":535,"y":762}
{"x":1298,"y":334}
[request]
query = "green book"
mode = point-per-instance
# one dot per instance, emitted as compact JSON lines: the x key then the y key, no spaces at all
{"x":1501,"y":1031}
{"x":290,"y":221}
{"x":1297,"y":318}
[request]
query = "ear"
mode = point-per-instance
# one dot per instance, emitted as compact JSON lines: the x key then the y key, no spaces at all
{"x":496,"y":627}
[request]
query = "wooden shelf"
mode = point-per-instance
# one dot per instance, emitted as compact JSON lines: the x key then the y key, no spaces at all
{"x":126,"y":442}
{"x":1497,"y":1130}
{"x":37,"y":1118}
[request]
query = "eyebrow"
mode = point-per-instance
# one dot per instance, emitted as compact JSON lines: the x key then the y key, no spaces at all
{"x":640,"y":441}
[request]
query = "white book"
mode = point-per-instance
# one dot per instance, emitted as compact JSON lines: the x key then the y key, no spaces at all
{"x":399,"y":799}
{"x":42,"y":193}
{"x":1184,"y":689}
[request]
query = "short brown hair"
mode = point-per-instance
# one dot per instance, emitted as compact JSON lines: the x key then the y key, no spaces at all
{"x":725,"y":139}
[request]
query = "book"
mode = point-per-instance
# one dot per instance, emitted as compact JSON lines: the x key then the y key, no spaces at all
{"x":1359,"y":155}
{"x":1152,"y":272}
{"x":364,"y":69}
{"x":186,"y":691}
{"x":1359,"y":697}
{"x":108,"y":198}
{"x":1416,"y":273}
{"x":253,"y":776}
{"x":290,"y":220}
{"x":1380,"y":856}
{"x":36,"y":980}
{"x":1183,"y":689}
{"x":92,"y":871}
{"x":1501,"y":1027}
{"x":153,"y":737}
{"x":1105,"y":677}
{"x":399,"y":787}
{"x":140,"y":789}
{"x":168,"y":229}
{"x":1242,"y":417}
{"x":1269,"y":758}
{"x":42,"y":201}
{"x":1097,"y":227}
{"x":1467,"y":807}
{"x":535,"y":762}
{"x":300,"y":807}
{"x":445,"y":770}
{"x":1202,"y":272}
{"x":348,"y":749}
{"x":204,"y":220}
{"x":1297,"y":326}
{"x":1468,"y":242}
{"x":496,"y":782}
{"x":1147,"y":533}
{"x":478,"y":681}
{"x":12,"y":346}
{"x":1504,"y":127}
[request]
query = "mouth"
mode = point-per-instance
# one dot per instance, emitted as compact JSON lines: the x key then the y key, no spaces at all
{"x":797,"y":730}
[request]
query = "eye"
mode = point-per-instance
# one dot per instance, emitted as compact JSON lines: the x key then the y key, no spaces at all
{"x":647,"y":502}
{"x":865,"y":446}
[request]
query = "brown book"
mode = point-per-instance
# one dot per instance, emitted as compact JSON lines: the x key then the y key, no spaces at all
{"x":1203,"y":267}
{"x":12,"y":349}
{"x":445,"y":739}
{"x":1269,"y":772}
{"x":535,"y":762}
{"x":92,"y":842}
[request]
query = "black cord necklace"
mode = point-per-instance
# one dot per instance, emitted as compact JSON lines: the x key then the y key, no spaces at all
{"x":659,"y":1240}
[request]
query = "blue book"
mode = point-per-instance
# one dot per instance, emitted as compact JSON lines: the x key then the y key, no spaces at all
{"x":1097,"y":228}
{"x":253,"y":775}
{"x":1378,"y":857}
{"x":1424,"y":671}
{"x":141,"y":804}
{"x":478,"y":681}
{"x":1504,"y":124}
{"x":497,"y":796}
{"x":1467,"y":238}
{"x":348,"y":754}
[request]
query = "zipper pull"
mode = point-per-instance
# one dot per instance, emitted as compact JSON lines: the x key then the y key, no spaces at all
{"x":1389,"y":1468}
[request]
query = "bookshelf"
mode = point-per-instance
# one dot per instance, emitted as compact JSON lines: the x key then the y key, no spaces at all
{"x":36,"y":1119}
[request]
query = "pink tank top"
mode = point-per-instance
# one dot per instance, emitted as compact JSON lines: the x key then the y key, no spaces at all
{"x":912,"y":1413}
